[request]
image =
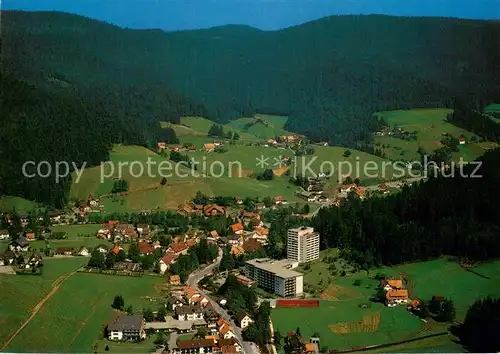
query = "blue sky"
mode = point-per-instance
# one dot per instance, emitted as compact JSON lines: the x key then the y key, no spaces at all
{"x":264,"y":14}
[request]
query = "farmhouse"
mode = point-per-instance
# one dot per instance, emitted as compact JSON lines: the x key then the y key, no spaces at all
{"x":55,"y":216}
{"x":462,"y":140}
{"x":243,"y":320}
{"x":347,"y":188}
{"x":396,"y":297}
{"x":191,"y":294}
{"x":30,"y":236}
{"x":4,"y":234}
{"x":127,"y":328}
{"x":64,"y":251}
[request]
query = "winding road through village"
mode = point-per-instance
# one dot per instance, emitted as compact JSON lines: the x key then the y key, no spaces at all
{"x":193,"y":280}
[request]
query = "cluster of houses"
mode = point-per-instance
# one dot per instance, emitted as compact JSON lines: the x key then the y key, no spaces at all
{"x":190,"y":312}
{"x":395,"y":292}
{"x":17,"y":254}
{"x":283,"y":141}
{"x":115,"y":232}
{"x":91,"y":205}
{"x":313,"y":192}
{"x":207,"y":147}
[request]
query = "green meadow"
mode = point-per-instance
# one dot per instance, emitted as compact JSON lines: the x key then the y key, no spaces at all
{"x":429,"y":124}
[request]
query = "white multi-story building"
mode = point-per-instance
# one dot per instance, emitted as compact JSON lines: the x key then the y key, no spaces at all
{"x":276,"y":276}
{"x":302,"y":245}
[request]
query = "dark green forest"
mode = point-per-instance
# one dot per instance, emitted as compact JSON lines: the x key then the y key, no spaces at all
{"x":73,"y":86}
{"x":328,"y":75}
{"x":443,"y":216}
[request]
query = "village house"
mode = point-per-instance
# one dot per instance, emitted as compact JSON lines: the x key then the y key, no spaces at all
{"x":124,"y":232}
{"x":35,"y":260}
{"x":176,"y":301}
{"x":185,"y":210}
{"x":93,"y":202}
{"x":83,"y":251}
{"x":145,"y":248}
{"x":237,"y":251}
{"x":347,"y":188}
{"x":251,"y":245}
{"x":202,"y":300}
{"x":126,"y":328}
{"x":102,"y":249}
{"x":229,"y":346}
{"x":166,"y":261}
{"x":243,"y":320}
{"x":143,"y":230}
{"x":7,"y":258}
{"x":389,"y":284}
{"x":383,"y":189}
{"x":233,"y":240}
{"x":194,"y":346}
{"x":55,"y":216}
{"x":213,"y":210}
{"x":208,"y":147}
{"x":178,"y":248}
{"x":20,"y":244}
{"x":30,"y":236}
{"x":237,"y":229}
{"x":462,"y":140}
{"x":64,"y":251}
{"x":191,"y":294}
{"x":189,"y":312}
{"x":174,"y":147}
{"x":309,"y":196}
{"x":174,"y":280}
{"x":4,"y":234}
{"x":161,"y":146}
{"x":278,"y":200}
{"x":225,"y":330}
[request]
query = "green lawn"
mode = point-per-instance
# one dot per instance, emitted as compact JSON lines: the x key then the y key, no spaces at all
{"x":432,"y":278}
{"x":429,"y":125}
{"x":19,"y":294}
{"x":9,"y":203}
{"x":392,"y":324}
{"x":75,"y":316}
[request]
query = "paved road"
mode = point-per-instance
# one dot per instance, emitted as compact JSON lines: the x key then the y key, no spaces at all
{"x":194,"y":278}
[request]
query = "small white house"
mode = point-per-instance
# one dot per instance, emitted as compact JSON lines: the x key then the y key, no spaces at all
{"x":83,"y":252}
{"x":4,"y":234}
{"x":244,"y":320}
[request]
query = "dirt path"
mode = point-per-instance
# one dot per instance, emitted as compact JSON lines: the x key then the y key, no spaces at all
{"x":56,"y":285}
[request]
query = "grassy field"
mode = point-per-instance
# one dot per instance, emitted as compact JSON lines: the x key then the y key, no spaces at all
{"x":368,"y":168}
{"x":19,"y":294}
{"x":9,"y":203}
{"x":429,"y":125}
{"x":274,"y":126}
{"x":73,"y":240}
{"x":74,"y":317}
{"x":341,"y":298}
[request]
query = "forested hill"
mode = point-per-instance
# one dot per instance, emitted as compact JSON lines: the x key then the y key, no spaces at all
{"x":328,"y":75}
